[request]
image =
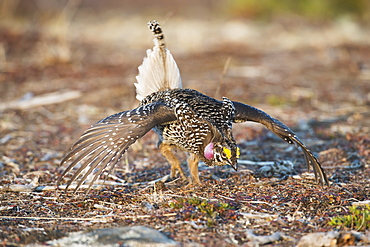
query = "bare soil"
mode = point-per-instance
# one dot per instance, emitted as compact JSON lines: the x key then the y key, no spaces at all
{"x":321,"y":92}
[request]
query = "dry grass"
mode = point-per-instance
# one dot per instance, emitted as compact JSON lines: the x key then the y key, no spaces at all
{"x":318,"y":84}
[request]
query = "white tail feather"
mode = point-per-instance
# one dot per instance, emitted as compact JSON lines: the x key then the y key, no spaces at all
{"x":159,"y":70}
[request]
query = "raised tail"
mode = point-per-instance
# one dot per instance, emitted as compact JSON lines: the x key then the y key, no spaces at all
{"x":159,"y":70}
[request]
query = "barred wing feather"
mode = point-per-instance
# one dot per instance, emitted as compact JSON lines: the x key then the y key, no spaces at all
{"x":105,"y":142}
{"x":245,"y":112}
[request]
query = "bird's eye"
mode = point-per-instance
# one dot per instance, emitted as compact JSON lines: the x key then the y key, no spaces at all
{"x":208,"y":151}
{"x":227,"y":152}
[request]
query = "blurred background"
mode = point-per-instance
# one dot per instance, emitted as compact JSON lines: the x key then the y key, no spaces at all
{"x":66,"y":64}
{"x":191,"y":26}
{"x":76,"y":35}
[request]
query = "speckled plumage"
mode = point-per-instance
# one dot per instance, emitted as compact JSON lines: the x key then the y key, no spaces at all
{"x":183,"y":118}
{"x":199,"y":119}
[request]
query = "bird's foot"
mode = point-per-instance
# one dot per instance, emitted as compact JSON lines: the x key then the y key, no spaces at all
{"x":192,"y":184}
{"x":177,"y":169}
{"x":194,"y":180}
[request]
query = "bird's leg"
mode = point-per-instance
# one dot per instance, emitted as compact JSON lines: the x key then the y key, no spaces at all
{"x":166,"y":151}
{"x":193,"y":161}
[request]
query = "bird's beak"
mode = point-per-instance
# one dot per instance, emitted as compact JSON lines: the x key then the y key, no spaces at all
{"x":235,"y":166}
{"x":228,"y":155}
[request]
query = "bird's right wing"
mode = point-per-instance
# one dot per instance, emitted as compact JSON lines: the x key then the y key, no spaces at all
{"x":104,"y":143}
{"x":245,"y":112}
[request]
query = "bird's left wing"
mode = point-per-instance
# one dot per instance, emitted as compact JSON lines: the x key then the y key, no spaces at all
{"x":104,"y":143}
{"x":245,"y":112}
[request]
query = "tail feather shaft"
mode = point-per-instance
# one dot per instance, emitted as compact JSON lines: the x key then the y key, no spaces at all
{"x":159,"y":70}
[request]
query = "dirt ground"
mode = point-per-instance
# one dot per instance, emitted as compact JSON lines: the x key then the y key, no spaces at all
{"x":320,"y":88}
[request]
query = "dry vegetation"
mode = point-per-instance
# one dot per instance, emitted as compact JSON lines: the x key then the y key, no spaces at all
{"x":316,"y":81}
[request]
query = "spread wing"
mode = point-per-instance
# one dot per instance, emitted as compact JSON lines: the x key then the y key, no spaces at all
{"x":104,"y":143}
{"x":245,"y":112}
